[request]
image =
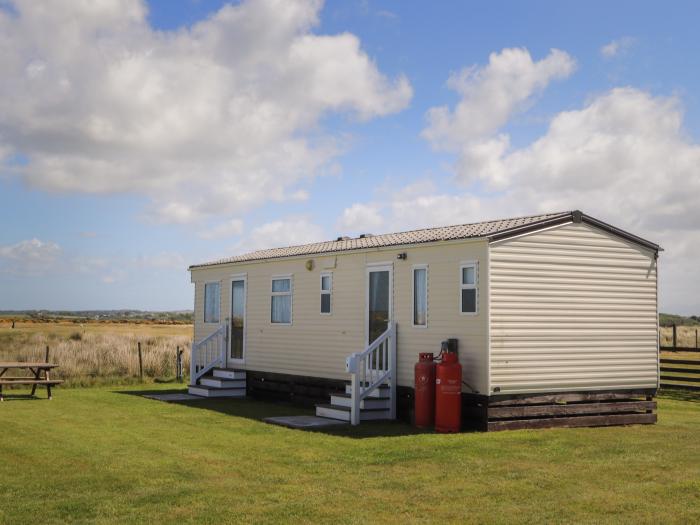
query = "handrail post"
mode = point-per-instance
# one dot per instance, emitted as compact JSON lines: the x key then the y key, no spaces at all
{"x":193,"y":363}
{"x":392,"y":372}
{"x":355,"y":398}
{"x":224,"y":341}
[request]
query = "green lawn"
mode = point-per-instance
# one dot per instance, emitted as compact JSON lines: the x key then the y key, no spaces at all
{"x":105,"y":455}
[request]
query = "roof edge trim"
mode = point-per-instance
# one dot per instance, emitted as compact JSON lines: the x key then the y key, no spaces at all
{"x":575,"y":216}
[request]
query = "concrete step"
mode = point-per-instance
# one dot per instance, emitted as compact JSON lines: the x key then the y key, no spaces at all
{"x":228,"y":373}
{"x":345,"y":400}
{"x":343,"y":413}
{"x":218,"y":382}
{"x":208,"y":391}
{"x":380,"y":391}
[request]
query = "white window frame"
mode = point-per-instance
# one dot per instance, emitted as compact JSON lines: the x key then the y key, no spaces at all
{"x":290,"y":293}
{"x":475,"y":286}
{"x":328,"y":292}
{"x":204,"y":303}
{"x":413,"y":294}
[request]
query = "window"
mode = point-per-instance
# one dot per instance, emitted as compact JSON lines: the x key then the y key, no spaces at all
{"x":420,"y":296}
{"x":469,"y":277}
{"x":212,"y":302}
{"x":281,"y":304}
{"x":326,"y":291}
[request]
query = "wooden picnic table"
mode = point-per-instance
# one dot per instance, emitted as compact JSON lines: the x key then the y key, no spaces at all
{"x":41,"y":375}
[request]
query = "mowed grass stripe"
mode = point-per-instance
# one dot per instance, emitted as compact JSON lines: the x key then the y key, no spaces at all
{"x":103,"y":456}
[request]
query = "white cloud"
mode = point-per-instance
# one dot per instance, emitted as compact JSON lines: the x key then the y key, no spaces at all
{"x":491,"y":94}
{"x":359,"y":218}
{"x":30,"y":257}
{"x":209,"y":120}
{"x":84,"y":265}
{"x":417,"y":205}
{"x":110,"y":279}
{"x":624,"y":142}
{"x":159,"y":261}
{"x":287,"y":232}
{"x":623,"y":157}
{"x":617,"y":47}
{"x":222,"y":230}
{"x":35,"y":258}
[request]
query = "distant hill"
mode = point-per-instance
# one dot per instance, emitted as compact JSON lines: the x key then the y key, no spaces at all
{"x":671,"y":319}
{"x":172,"y":317}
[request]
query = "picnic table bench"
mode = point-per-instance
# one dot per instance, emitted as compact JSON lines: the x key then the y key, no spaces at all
{"x":41,"y":376}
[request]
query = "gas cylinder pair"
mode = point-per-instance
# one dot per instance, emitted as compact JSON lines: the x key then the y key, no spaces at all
{"x":438,"y":392}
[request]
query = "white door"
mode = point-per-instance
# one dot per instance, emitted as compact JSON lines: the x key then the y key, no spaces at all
{"x":379,"y":300}
{"x":236,"y":353}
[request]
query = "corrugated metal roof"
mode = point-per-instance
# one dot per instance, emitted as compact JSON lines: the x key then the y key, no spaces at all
{"x":443,"y":233}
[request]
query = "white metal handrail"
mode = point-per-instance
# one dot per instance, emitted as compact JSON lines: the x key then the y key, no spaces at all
{"x":208,"y":353}
{"x":370,"y":369}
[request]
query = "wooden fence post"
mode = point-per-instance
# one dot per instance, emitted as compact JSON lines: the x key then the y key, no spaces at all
{"x":178,"y":364}
{"x":696,"y":338}
{"x":140,"y":361}
{"x":674,"y":336}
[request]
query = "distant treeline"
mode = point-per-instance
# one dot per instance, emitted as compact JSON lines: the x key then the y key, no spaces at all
{"x":678,"y":320}
{"x":187,"y":316}
{"x":174,"y":317}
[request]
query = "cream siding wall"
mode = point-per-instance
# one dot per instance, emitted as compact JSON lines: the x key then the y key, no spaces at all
{"x":317,"y":345}
{"x":572,"y":308}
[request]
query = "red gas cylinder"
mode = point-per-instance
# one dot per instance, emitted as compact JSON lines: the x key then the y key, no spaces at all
{"x":448,"y":394}
{"x":425,"y":390}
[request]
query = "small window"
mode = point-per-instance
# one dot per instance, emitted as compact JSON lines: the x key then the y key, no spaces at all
{"x":212,"y":302}
{"x":326,"y":292}
{"x":468,"y":288}
{"x":420,"y":296}
{"x":281,"y":303}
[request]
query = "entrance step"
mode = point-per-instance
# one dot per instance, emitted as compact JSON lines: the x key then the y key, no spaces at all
{"x":210,"y":391}
{"x":228,"y":373}
{"x":380,"y":391}
{"x":343,"y":413}
{"x":345,"y":400}
{"x":218,"y":382}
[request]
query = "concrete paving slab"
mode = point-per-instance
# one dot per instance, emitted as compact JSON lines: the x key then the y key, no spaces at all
{"x":173,"y":397}
{"x":304,"y":422}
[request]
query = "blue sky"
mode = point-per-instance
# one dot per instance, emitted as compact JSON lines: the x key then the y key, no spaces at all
{"x":117,"y":113}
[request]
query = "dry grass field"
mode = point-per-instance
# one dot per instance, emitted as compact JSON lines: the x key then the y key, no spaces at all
{"x":685,"y":336}
{"x":98,"y":353}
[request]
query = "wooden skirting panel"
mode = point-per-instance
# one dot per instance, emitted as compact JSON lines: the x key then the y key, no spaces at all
{"x":308,"y":390}
{"x":569,"y":409}
{"x":480,"y":412}
{"x":302,"y":390}
{"x":581,"y":421}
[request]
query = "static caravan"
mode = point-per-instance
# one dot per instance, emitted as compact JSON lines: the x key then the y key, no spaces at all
{"x":555,"y":317}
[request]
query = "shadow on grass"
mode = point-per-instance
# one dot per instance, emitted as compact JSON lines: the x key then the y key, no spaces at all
{"x":22,"y":397}
{"x":680,"y":394}
{"x":258,"y":410}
